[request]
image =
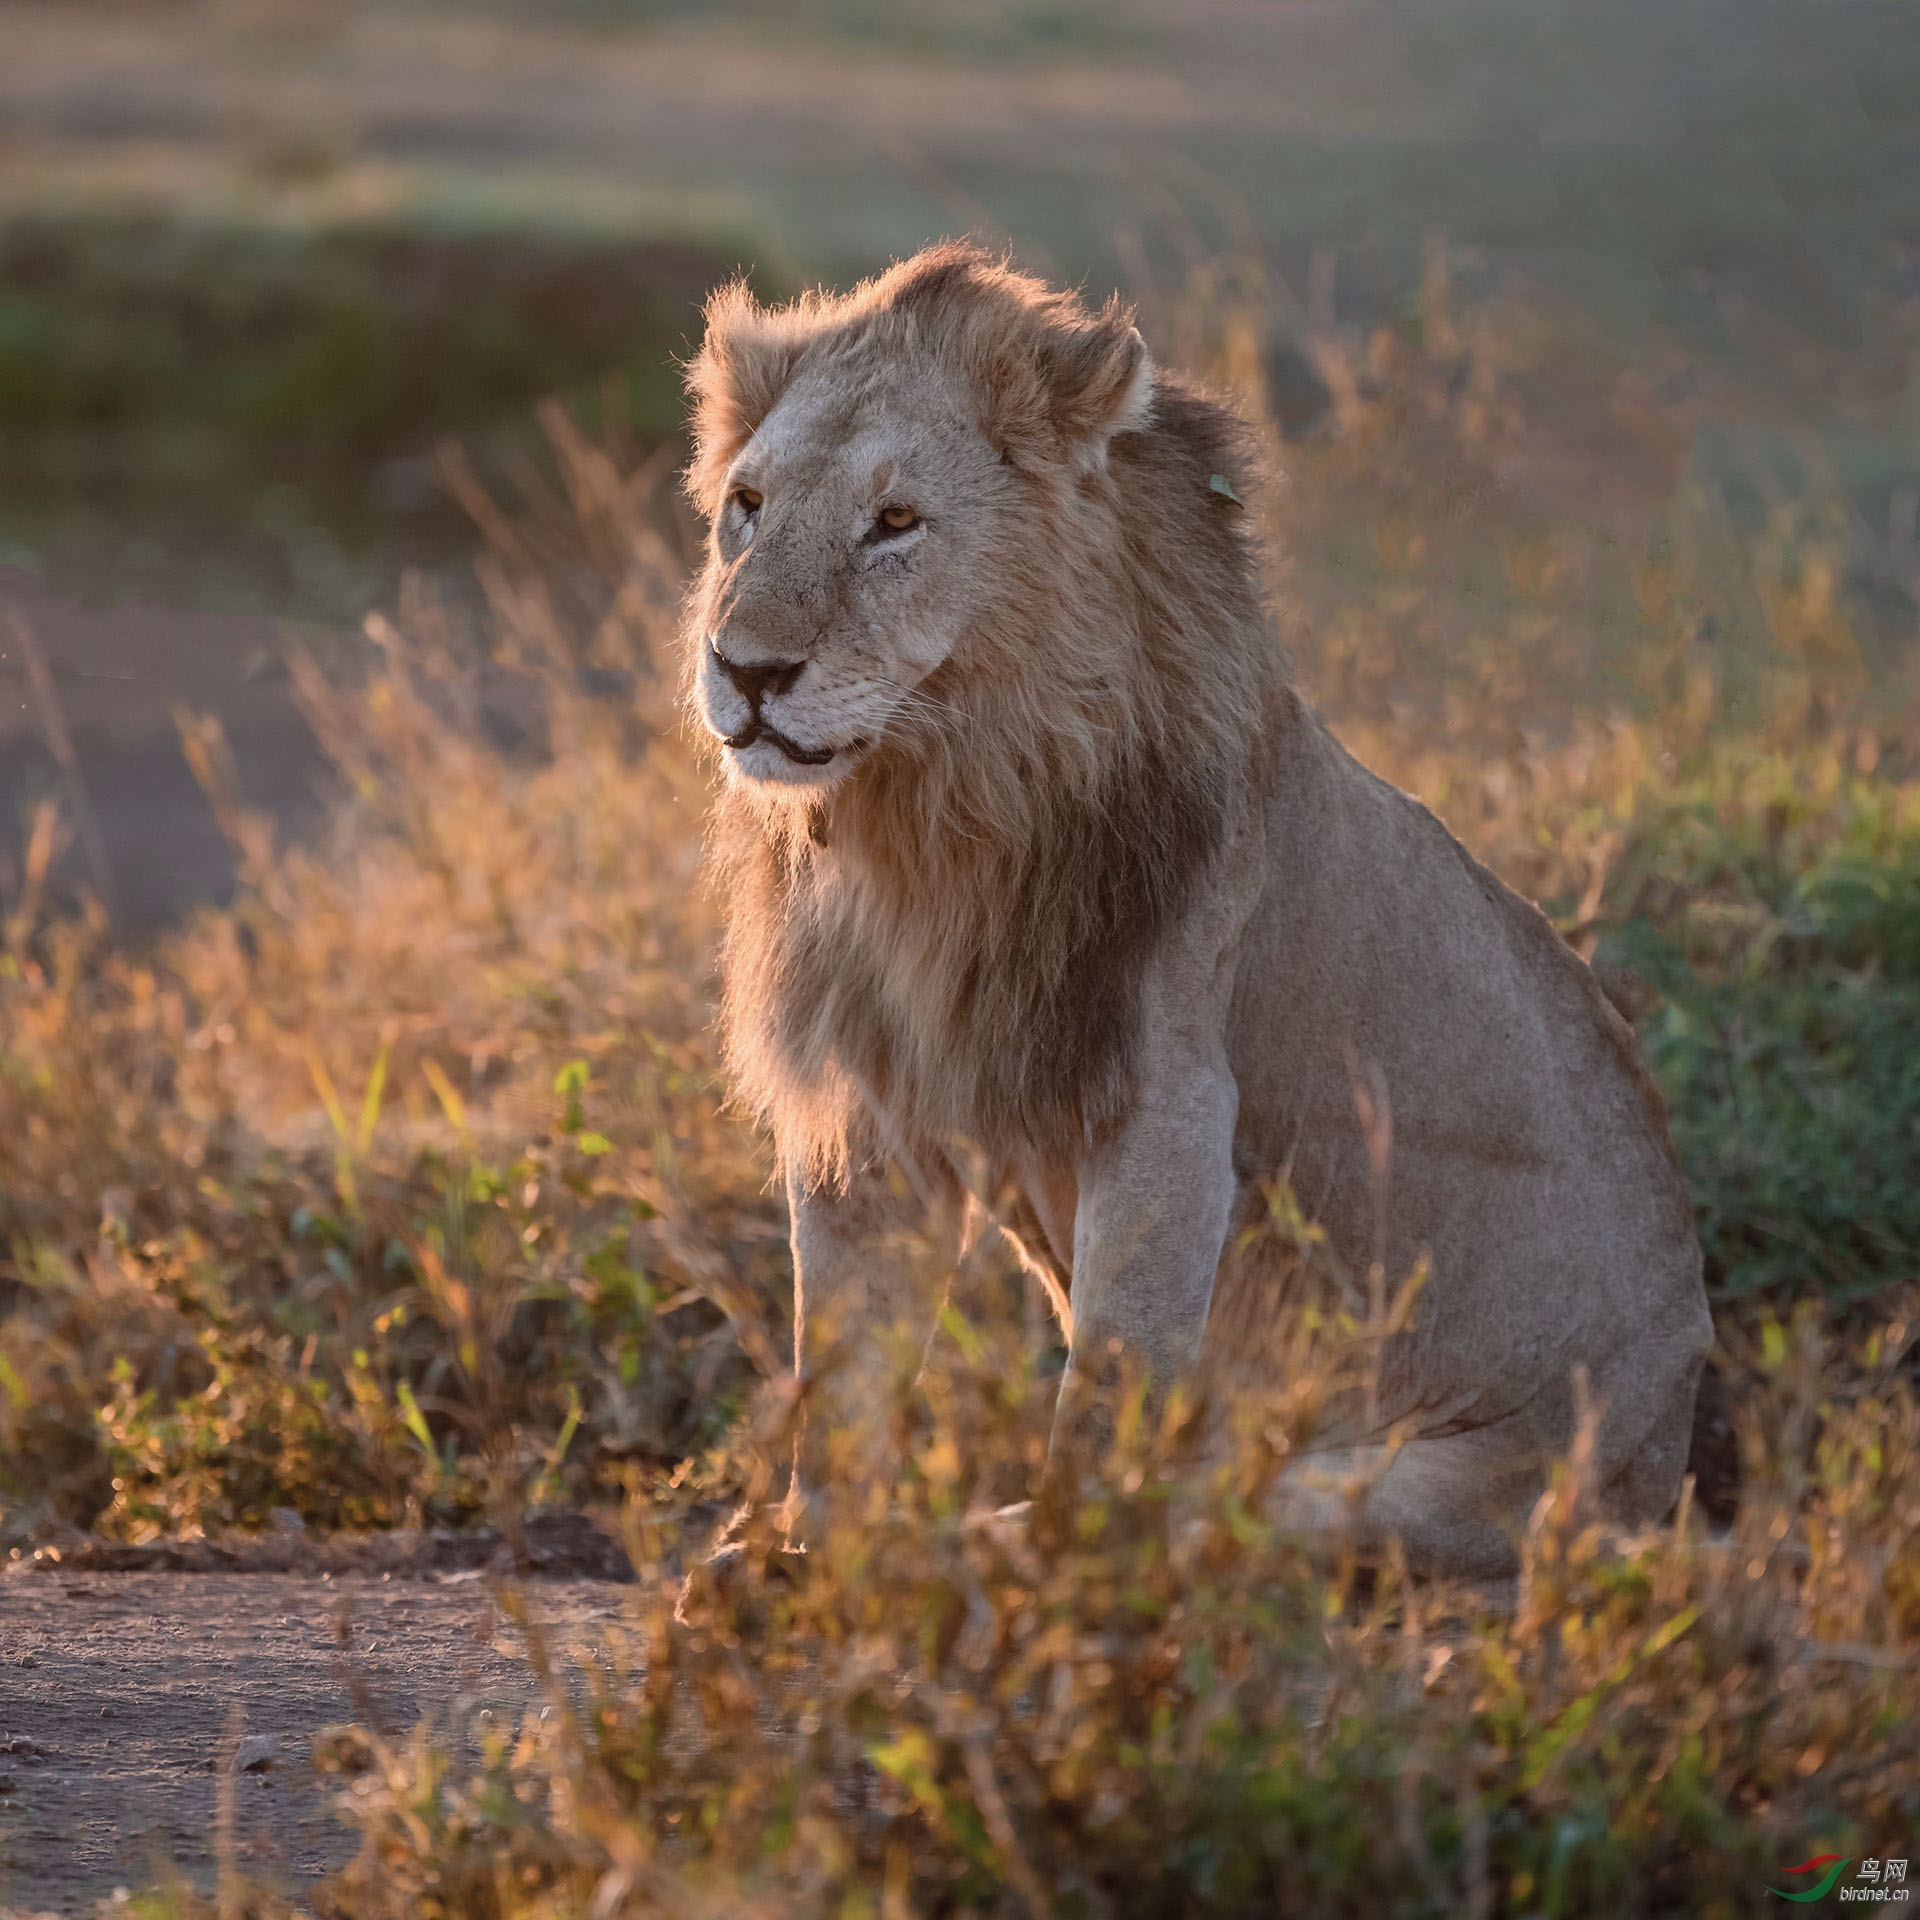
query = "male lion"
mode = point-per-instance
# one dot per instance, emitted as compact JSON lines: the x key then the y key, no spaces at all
{"x":1028,"y":841}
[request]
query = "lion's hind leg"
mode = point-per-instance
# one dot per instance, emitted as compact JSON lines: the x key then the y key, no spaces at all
{"x":1458,"y":1503}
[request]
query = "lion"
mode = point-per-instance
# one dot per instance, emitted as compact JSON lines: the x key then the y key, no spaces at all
{"x":1027,"y":840}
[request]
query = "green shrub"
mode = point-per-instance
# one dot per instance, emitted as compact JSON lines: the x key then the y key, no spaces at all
{"x":1777,"y":910}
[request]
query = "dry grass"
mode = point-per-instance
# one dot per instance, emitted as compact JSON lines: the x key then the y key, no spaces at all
{"x":403,"y":1191}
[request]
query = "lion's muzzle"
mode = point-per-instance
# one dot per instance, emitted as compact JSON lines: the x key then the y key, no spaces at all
{"x":756,"y":679}
{"x":736,"y":690}
{"x":757,"y":730}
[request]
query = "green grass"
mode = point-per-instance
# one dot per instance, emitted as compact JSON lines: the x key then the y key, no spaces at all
{"x":242,"y":412}
{"x":1782,"y":925}
{"x":1001,"y":30}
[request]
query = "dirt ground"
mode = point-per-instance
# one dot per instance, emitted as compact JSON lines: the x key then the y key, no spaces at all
{"x":120,"y":1696}
{"x":119,"y":676}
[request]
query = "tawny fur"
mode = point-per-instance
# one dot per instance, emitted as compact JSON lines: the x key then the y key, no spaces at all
{"x":957,"y":936}
{"x":1032,"y":844}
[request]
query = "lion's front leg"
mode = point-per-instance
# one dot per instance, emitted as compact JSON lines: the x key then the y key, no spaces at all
{"x":871,"y":1265}
{"x":1154,"y":1207}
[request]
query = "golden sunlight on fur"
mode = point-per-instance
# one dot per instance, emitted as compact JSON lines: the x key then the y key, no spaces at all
{"x":1031,"y":851}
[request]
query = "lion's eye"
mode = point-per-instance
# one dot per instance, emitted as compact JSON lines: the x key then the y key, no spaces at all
{"x":898,"y":519}
{"x":747,"y":499}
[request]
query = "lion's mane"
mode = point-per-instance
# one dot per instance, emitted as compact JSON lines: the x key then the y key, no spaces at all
{"x":953,"y":939}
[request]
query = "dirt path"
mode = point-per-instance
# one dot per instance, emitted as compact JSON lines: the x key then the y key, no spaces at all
{"x":118,"y":1691}
{"x":118,"y":675}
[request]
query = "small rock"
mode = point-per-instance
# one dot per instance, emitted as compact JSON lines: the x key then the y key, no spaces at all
{"x":26,"y":1660}
{"x":18,"y":1744}
{"x":256,"y":1753}
{"x":106,"y":1713}
{"x":286,"y":1520}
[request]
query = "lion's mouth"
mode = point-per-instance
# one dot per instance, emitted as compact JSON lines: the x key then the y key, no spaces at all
{"x":758,"y":729}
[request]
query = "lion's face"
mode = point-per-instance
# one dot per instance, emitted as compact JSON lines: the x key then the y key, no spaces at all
{"x":848,"y":530}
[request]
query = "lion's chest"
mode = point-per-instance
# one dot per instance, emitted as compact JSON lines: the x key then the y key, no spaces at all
{"x":944,"y":1020}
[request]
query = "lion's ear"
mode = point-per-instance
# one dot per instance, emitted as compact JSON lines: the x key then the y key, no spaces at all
{"x":743,"y":366}
{"x":1091,"y":377}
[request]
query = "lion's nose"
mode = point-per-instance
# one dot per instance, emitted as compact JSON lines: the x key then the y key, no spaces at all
{"x":756,"y":679}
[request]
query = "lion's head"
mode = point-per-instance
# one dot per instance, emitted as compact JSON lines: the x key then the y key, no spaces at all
{"x":980,"y":642}
{"x":869,"y":465}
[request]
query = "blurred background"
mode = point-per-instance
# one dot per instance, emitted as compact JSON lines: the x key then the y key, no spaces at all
{"x":264,"y":262}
